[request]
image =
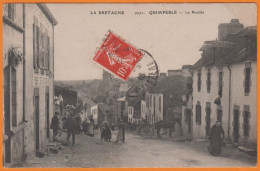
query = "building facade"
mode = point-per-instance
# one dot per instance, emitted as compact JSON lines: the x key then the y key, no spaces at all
{"x":28,"y":35}
{"x":154,"y":107}
{"x":225,"y":85}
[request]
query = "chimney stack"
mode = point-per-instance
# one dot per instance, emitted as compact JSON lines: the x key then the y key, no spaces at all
{"x":227,"y":28}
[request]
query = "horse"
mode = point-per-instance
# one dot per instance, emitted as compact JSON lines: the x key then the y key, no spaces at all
{"x":165,"y":124}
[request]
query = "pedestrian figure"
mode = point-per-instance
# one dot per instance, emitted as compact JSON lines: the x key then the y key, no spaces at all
{"x":123,"y":128}
{"x":78,"y":126}
{"x":90,"y":131}
{"x":216,"y":137}
{"x":119,"y":136}
{"x":105,"y":132}
{"x":55,"y":125}
{"x":85,"y":125}
{"x":71,"y":128}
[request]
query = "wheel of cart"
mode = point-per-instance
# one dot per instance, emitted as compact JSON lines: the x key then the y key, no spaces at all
{"x":146,"y":130}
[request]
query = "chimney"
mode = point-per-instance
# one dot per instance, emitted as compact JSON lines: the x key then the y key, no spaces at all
{"x":227,"y":28}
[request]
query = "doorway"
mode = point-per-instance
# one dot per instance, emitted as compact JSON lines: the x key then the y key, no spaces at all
{"x":47,"y":115}
{"x":7,"y":113}
{"x":207,"y":121}
{"x":236,"y":126}
{"x":37,"y":119}
{"x":188,"y":120}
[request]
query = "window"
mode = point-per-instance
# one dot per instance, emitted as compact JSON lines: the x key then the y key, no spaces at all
{"x":247,"y":78}
{"x":219,"y":115}
{"x":41,"y":47}
{"x":198,"y":114}
{"x":208,"y":81}
{"x":220,"y":83}
{"x":14,"y":100}
{"x":199,"y":80}
{"x":11,"y":11}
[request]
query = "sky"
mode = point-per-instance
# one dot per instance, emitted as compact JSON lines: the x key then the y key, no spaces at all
{"x":172,"y":39}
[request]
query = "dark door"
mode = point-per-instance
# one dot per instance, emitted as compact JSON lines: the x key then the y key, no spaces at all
{"x":47,"y":115}
{"x":236,"y":126}
{"x":37,"y":122}
{"x":7,"y":113}
{"x":207,"y":121}
{"x":189,"y":121}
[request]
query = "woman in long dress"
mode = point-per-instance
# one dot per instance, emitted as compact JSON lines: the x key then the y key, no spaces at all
{"x":90,"y":131}
{"x":119,"y":136}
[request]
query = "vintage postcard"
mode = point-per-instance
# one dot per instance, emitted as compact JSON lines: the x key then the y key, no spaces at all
{"x":129,"y":85}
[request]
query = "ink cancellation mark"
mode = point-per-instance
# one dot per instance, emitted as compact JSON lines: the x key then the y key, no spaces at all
{"x":144,"y":76}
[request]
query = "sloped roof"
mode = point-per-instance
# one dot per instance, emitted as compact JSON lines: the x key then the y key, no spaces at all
{"x":215,"y":44}
{"x":89,"y":102}
{"x":231,"y":50}
{"x":174,"y":83}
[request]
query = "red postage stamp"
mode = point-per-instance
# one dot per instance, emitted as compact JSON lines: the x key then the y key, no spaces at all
{"x":117,"y":56}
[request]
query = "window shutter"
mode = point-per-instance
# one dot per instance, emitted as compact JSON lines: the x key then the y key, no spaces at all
{"x":43,"y":49}
{"x":38,"y":46}
{"x":14,"y":12}
{"x":47,"y":50}
{"x":34,"y":44}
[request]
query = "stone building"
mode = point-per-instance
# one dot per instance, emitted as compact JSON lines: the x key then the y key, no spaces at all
{"x":225,"y":84}
{"x":28,"y":46}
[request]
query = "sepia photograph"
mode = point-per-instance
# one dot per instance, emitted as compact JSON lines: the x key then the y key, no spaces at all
{"x":129,"y":85}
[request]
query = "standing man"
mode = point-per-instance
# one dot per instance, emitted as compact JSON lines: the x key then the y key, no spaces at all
{"x":55,"y":125}
{"x":123,"y":127}
{"x":78,"y":126}
{"x":216,"y":137}
{"x":71,"y":128}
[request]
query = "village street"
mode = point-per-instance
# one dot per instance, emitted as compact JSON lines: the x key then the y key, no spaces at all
{"x":90,"y":152}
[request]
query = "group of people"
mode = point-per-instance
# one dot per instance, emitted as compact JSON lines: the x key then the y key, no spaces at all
{"x":72,"y":123}
{"x":106,"y":134}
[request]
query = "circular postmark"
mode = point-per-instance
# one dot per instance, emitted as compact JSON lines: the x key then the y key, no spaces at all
{"x":144,"y":76}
